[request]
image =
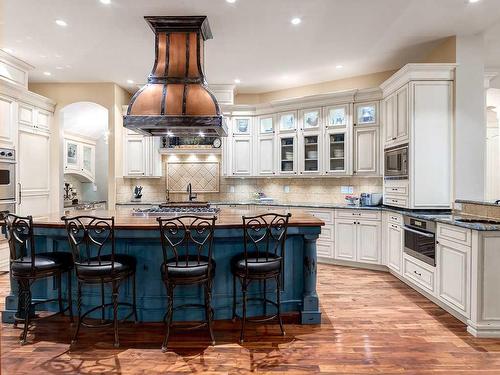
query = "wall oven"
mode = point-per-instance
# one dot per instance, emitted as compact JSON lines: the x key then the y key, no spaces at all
{"x":7,"y":180}
{"x":396,"y":163}
{"x":420,"y":239}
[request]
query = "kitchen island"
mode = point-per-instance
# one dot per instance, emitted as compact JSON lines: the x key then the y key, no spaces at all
{"x":139,"y":237}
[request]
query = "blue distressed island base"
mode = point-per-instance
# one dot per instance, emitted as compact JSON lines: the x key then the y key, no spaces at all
{"x":140,"y":238}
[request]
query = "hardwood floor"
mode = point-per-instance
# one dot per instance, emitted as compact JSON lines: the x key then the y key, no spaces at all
{"x":372,"y":323}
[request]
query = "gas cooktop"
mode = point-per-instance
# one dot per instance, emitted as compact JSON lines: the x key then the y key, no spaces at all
{"x":175,"y":211}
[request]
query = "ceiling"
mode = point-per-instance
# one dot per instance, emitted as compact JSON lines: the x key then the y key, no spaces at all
{"x":85,"y":119}
{"x":254,"y":40}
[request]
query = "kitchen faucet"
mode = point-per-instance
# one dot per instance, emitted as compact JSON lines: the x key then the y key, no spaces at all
{"x":191,"y":196}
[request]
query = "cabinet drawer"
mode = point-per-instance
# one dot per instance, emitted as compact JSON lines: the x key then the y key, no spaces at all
{"x":456,"y":234}
{"x":397,"y":201}
{"x":396,"y":190}
{"x":325,"y":215}
{"x":358,"y":214}
{"x":394,"y":218}
{"x":324,"y":249}
{"x":417,"y":273}
{"x":326,"y":233}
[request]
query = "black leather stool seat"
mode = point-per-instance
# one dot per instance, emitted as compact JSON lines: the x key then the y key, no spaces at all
{"x":257,"y":263}
{"x":192,"y":270}
{"x":44,"y":262}
{"x":124,"y":264}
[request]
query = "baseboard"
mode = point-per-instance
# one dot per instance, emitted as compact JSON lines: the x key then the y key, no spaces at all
{"x":347,"y":263}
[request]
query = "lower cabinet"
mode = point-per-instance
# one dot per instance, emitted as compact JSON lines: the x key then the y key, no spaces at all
{"x":358,"y":240}
{"x":453,"y":275}
{"x":394,"y":236}
{"x":419,"y":273}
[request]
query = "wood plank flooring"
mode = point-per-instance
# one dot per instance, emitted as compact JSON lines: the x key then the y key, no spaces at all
{"x":372,"y":323}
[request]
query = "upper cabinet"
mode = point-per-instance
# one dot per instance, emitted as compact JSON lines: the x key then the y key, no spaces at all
{"x":309,"y":153}
{"x":310,"y":119}
{"x":266,"y":124}
{"x":287,"y":121}
{"x":287,"y":154}
{"x":79,"y":157}
{"x":366,"y":151}
{"x":366,"y":114}
{"x":242,"y":125}
{"x":337,"y":159}
{"x":7,"y":121}
{"x":336,"y":116}
{"x":396,"y":118}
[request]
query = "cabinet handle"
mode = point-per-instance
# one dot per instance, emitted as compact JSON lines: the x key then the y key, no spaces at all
{"x":417,"y":273}
{"x":437,"y":242}
{"x":394,"y":138}
{"x":20,"y":196}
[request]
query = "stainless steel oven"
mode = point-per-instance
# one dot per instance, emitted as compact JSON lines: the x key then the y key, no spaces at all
{"x":7,"y":175}
{"x":396,"y":163}
{"x":420,"y":239}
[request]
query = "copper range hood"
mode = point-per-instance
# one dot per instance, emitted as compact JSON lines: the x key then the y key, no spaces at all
{"x":176,"y":101}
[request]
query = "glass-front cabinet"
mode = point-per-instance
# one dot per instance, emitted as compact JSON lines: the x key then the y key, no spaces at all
{"x":266,"y":124}
{"x":287,"y":121}
{"x":88,"y":160}
{"x":337,"y":150}
{"x":366,"y":113}
{"x":337,"y":116}
{"x":309,"y":154}
{"x":287,"y":154}
{"x":79,"y":158}
{"x":310,"y":119}
{"x":71,"y":156}
{"x":242,"y":125}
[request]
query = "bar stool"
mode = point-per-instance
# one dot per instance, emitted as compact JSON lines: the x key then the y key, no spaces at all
{"x":264,"y":250}
{"x":92,"y":241}
{"x":187,"y":260}
{"x":27,"y":266}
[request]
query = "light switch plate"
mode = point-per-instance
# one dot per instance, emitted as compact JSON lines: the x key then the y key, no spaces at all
{"x":231,"y":188}
{"x":347,"y":189}
{"x":286,"y":188}
{"x":94,"y":187}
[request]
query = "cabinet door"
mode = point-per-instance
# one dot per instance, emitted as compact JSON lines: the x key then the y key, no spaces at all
{"x":401,"y":130}
{"x":394,"y":247}
{"x":266,"y":124}
{"x":368,"y":238}
{"x":336,"y":116}
{"x":390,"y":118}
{"x":345,"y":239}
{"x":337,"y":151}
{"x":309,"y":154}
{"x":242,"y":156}
{"x":287,"y":154}
{"x":265,"y":155}
{"x":310,"y":119}
{"x":7,"y":121}
{"x":71,"y":156}
{"x":88,"y":160}
{"x":242,"y":125}
{"x":135,"y":156}
{"x":34,"y":174}
{"x":366,"y":113}
{"x":287,"y":121}
{"x":453,"y":267}
{"x":366,"y":151}
{"x":42,"y":120}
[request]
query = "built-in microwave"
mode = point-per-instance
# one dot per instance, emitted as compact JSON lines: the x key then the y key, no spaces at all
{"x":396,"y":163}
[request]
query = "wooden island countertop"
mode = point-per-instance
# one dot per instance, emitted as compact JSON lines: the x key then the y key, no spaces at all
{"x":226,"y":218}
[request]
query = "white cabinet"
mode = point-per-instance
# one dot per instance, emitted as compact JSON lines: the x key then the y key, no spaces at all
{"x":366,"y":114}
{"x":141,"y":155}
{"x":242,"y":125}
{"x":266,"y":158}
{"x":310,"y":119}
{"x":287,"y":121}
{"x":309,"y":153}
{"x":337,"y":151}
{"x":396,"y":118}
{"x":336,"y":116}
{"x":358,"y":239}
{"x":242,"y":156}
{"x":79,"y":157}
{"x":287,"y":144}
{"x":394,"y":244}
{"x":366,"y":151}
{"x":7,"y":121}
{"x":453,"y":262}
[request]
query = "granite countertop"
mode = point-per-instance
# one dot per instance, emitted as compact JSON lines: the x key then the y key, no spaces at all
{"x":82,"y":203}
{"x":484,"y":203}
{"x":441,"y":216}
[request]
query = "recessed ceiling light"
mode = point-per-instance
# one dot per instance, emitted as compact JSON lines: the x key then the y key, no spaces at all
{"x":237,"y":80}
{"x":474,"y":1}
{"x":339,"y":66}
{"x":296,"y":21}
{"x":47,"y":73}
{"x":8,"y":50}
{"x":61,"y":23}
{"x":129,"y":81}
{"x":59,"y":67}
{"x":231,"y":1}
{"x":107,"y":2}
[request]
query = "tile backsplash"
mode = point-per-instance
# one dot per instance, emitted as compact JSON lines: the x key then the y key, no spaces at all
{"x":286,"y":190}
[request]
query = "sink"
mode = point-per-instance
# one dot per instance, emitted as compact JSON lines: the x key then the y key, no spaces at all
{"x":195,"y":204}
{"x":478,"y":221}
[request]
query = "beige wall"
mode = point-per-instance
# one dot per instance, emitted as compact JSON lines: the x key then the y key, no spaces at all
{"x":110,"y":96}
{"x":359,"y":82}
{"x":444,"y":52}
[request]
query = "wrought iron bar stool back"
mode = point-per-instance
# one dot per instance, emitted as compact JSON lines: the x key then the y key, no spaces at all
{"x":262,"y":259}
{"x":92,"y":241}
{"x":27,"y":266}
{"x":187,"y":244}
